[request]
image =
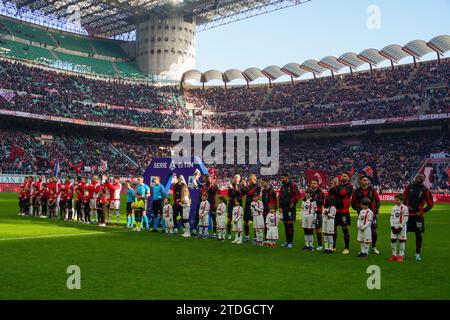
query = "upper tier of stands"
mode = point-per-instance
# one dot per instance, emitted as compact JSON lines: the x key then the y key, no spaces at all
{"x":78,"y":53}
{"x":385,"y":94}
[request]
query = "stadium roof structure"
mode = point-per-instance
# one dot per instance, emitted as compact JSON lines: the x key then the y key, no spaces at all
{"x":393,"y":53}
{"x":109,"y":18}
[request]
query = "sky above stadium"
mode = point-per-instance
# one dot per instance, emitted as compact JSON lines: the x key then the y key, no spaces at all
{"x":320,"y":28}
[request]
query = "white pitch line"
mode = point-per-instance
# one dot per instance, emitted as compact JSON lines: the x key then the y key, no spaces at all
{"x":61,"y":235}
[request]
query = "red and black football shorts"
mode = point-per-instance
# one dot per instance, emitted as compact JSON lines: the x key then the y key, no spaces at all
{"x":342,"y":219}
{"x":288,"y":213}
{"x":416,"y":224}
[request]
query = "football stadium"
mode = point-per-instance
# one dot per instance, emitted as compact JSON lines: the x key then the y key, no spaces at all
{"x":205,"y":150}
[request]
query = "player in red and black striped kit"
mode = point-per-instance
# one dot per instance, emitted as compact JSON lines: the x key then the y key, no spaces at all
{"x":288,"y":198}
{"x":269,"y":199}
{"x":319,"y":198}
{"x":210,"y":188}
{"x":235,"y":191}
{"x":342,"y":191}
{"x":79,"y":191}
{"x":250,"y":189}
{"x":366,"y":191}
{"x":419,"y":200}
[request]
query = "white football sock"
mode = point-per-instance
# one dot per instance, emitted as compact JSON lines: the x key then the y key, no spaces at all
{"x":402,"y":248}
{"x":394,"y":248}
{"x":366,"y":248}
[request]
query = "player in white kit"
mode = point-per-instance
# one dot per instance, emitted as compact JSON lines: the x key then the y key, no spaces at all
{"x":237,"y":220}
{"x":272,"y":220}
{"x":221,"y":219}
{"x":257,"y":209}
{"x":94,"y":188}
{"x":308,"y":217}
{"x":203,"y":217}
{"x":186,"y":205}
{"x":329,"y":213}
{"x":114,"y":190}
{"x":399,"y":220}
{"x":365,"y":219}
{"x":168,"y":216}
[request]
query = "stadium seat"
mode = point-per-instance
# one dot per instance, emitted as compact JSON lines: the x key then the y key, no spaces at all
{"x":27,"y":32}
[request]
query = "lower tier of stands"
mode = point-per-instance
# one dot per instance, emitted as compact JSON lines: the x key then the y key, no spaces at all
{"x":394,"y":157}
{"x":66,"y":61}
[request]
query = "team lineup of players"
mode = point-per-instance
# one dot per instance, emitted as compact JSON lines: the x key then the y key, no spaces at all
{"x":248,"y":200}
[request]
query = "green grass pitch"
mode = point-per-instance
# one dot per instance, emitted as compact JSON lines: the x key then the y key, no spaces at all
{"x":35,"y":254}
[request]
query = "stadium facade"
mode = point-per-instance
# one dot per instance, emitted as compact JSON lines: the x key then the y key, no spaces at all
{"x":46,"y":115}
{"x":163,"y":31}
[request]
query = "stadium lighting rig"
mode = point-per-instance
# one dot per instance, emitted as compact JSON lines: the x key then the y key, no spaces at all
{"x":164,"y":30}
{"x":109,"y":18}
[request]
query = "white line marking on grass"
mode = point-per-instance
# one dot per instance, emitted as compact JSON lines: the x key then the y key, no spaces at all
{"x":61,"y":235}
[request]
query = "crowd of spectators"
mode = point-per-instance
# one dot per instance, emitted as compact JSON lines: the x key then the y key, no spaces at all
{"x":34,"y":80}
{"x":228,"y":121}
{"x":385,"y":93}
{"x":397,"y":156}
{"x":55,"y":104}
{"x":233,"y":99}
{"x":375,"y":109}
{"x":403,"y":92}
{"x":28,"y":152}
{"x":141,"y":152}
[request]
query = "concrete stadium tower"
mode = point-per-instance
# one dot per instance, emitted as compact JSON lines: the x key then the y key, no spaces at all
{"x":166,"y":47}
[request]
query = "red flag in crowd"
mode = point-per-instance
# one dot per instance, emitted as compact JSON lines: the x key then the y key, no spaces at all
{"x":41,"y":159}
{"x":320,"y":175}
{"x":352,"y":171}
{"x":131,"y":168}
{"x":15,"y":152}
{"x":76,"y":168}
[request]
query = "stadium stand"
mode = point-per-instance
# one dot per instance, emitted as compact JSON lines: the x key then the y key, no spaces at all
{"x":128,"y":70}
{"x":33,"y":155}
{"x":384,"y":94}
{"x":78,"y":53}
{"x":108,"y":48}
{"x":23,"y":151}
{"x":28,"y":32}
{"x":91,"y":65}
{"x":407,"y":90}
{"x":23,"y":51}
{"x":34,"y":80}
{"x":73,"y":43}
